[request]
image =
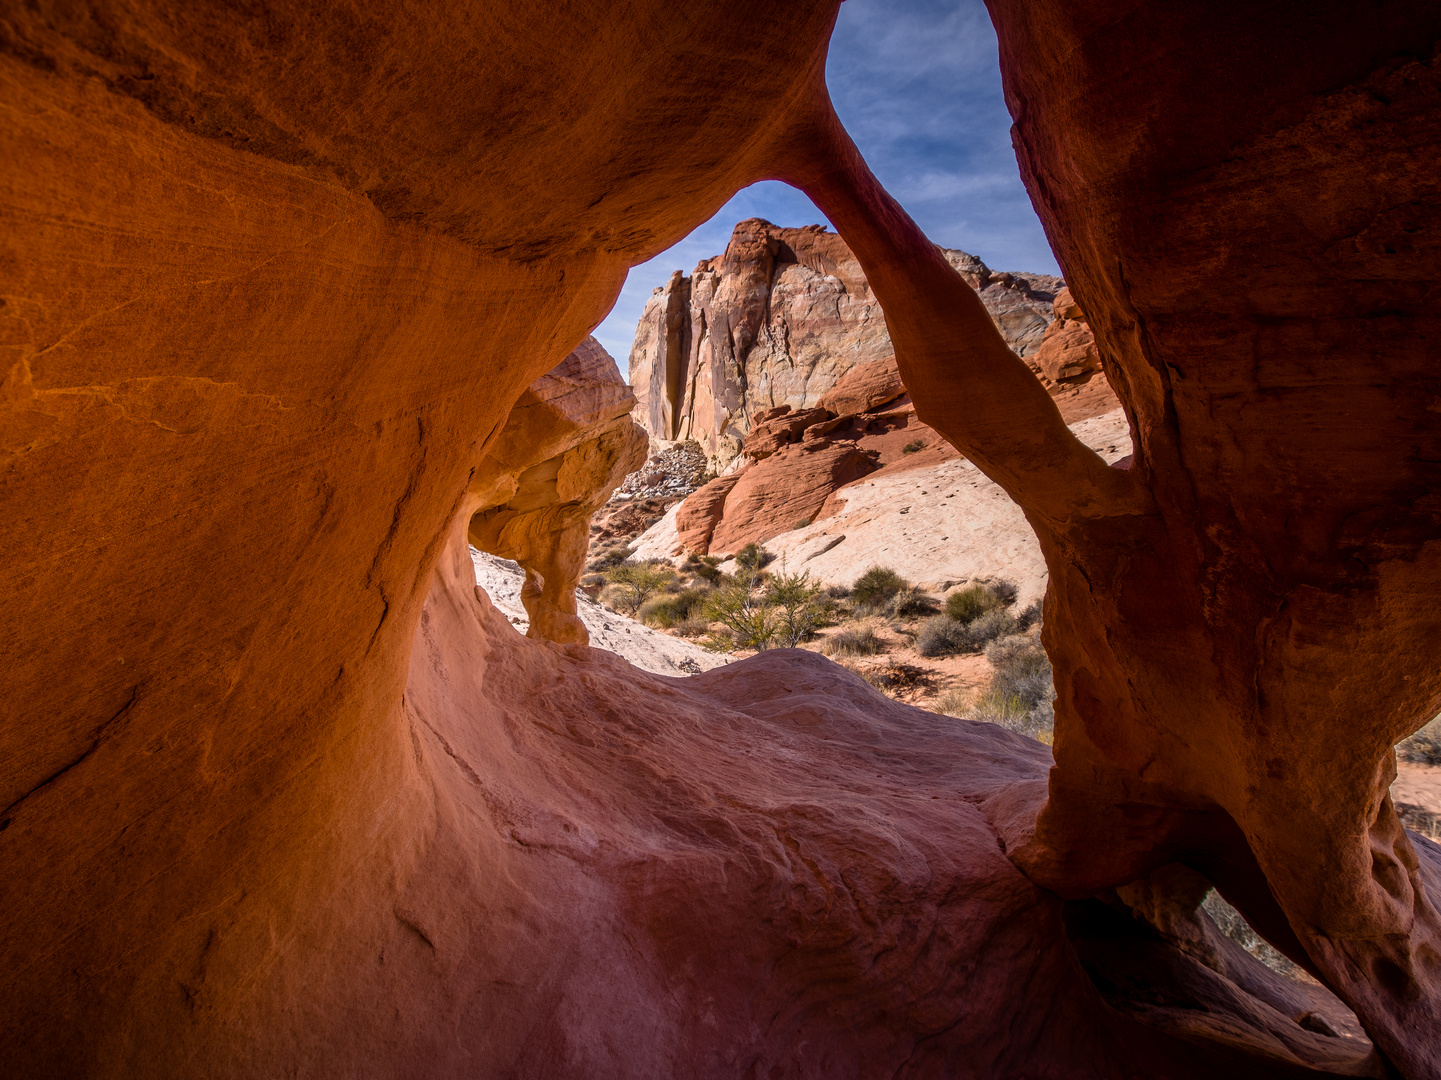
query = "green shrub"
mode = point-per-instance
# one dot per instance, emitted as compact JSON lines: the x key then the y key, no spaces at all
{"x":752,"y":557}
{"x":912,"y":447}
{"x":673,"y":609}
{"x":969,"y":604}
{"x":877,"y":587}
{"x":745,"y":614}
{"x":793,"y":596}
{"x":854,"y":641}
{"x":632,"y":584}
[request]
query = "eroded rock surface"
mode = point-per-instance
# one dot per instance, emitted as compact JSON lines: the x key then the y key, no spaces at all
{"x":567,"y":444}
{"x":283,"y":795}
{"x":779,"y":319}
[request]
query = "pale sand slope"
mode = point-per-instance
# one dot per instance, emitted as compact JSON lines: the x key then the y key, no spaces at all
{"x":937,"y":526}
{"x":647,"y":649}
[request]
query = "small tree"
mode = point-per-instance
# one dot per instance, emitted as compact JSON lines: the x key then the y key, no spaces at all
{"x":637,"y":582}
{"x":797,"y":613}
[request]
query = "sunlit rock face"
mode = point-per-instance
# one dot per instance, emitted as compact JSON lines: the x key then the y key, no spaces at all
{"x":283,"y":795}
{"x":780,"y":319}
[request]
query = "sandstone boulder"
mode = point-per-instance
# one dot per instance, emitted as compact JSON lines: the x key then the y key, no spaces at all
{"x":864,"y":387}
{"x":785,"y":491}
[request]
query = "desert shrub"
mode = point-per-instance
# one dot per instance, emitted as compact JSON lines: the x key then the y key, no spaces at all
{"x":838,"y":592}
{"x":674,"y":608}
{"x":1419,"y":820}
{"x":801,"y":523}
{"x":990,"y":626}
{"x":1003,"y":590}
{"x":753,"y":557}
{"x":969,"y":604}
{"x":632,"y":584}
{"x":1022,"y":669}
{"x":704,"y":567}
{"x":912,"y":447}
{"x":608,"y":559}
{"x":593,"y":581}
{"x":793,"y":596}
{"x":952,"y":703}
{"x":854,"y":641}
{"x":1424,"y":747}
{"x":747,"y":619}
{"x":911,"y":602}
{"x":696,"y":626}
{"x":1030,"y":615}
{"x":877,"y":587}
{"x":941,"y":635}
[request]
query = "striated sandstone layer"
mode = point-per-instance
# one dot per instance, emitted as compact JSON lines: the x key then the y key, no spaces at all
{"x":283,"y":795}
{"x":779,"y":319}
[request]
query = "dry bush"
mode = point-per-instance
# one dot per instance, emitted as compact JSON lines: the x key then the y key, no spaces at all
{"x":1419,"y":820}
{"x":911,"y":602}
{"x":1424,"y":747}
{"x":990,"y":626}
{"x":608,"y":558}
{"x":941,"y":635}
{"x":854,"y":641}
{"x":696,"y":626}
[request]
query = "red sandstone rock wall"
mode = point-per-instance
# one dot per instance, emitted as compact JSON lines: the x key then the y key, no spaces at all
{"x":281,"y":796}
{"x":778,"y":320}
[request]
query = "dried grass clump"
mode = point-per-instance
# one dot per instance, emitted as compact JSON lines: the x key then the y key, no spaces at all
{"x":854,"y":641}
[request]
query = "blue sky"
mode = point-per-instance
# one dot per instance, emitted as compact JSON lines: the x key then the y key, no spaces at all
{"x":916,"y":83}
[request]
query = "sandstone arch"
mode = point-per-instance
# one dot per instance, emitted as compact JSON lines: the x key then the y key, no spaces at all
{"x":282,"y":794}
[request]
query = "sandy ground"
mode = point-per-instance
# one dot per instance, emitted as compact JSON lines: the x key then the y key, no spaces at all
{"x":647,"y":649}
{"x":1418,"y":785}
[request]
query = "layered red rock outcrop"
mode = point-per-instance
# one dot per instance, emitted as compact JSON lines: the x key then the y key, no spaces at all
{"x":778,"y":319}
{"x":283,"y":797}
{"x":567,"y":444}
